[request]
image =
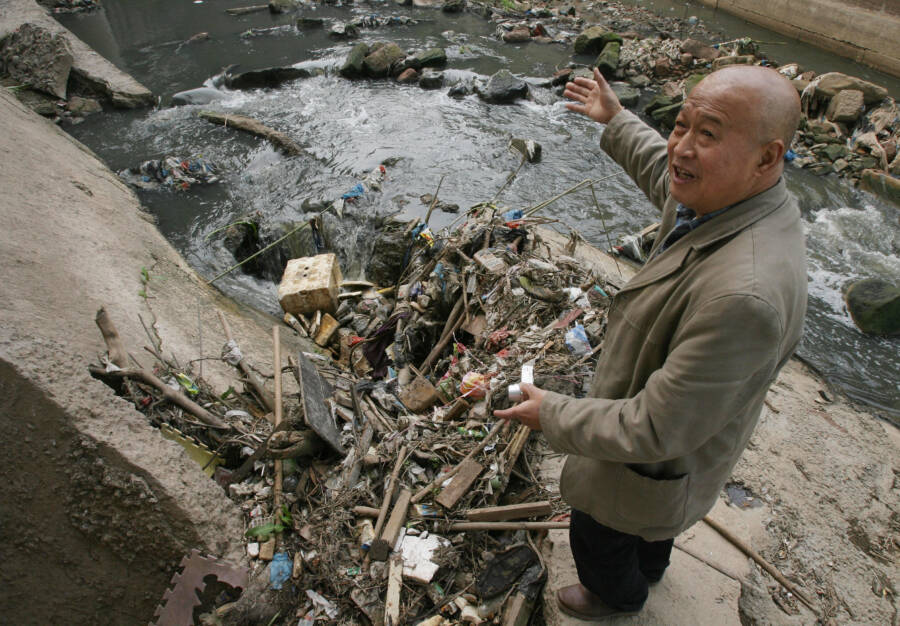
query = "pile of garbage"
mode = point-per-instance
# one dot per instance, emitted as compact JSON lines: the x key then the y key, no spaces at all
{"x":171,"y":172}
{"x":386,"y":490}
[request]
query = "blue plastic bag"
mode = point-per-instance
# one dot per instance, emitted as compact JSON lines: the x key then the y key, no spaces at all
{"x":280,"y":570}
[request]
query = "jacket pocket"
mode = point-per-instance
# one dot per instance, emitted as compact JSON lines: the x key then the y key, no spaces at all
{"x":649,"y":502}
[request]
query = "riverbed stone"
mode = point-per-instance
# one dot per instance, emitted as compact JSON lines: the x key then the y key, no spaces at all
{"x":200,"y":95}
{"x":433,"y":57}
{"x":662,"y":67}
{"x":408,"y":76}
{"x":658,"y":102}
{"x":503,"y":88}
{"x":692,"y":81}
{"x":561,"y":77}
{"x":640,"y":81}
{"x":453,"y":6}
{"x":628,"y":96}
{"x":520,"y":34}
{"x":699,"y":50}
{"x":34,"y":56}
{"x":282,"y":6}
{"x":431,"y":80}
{"x":874,"y":306}
{"x":881,"y":183}
{"x":386,"y":263}
{"x":378,"y":64}
{"x":594,"y":39}
{"x":83,"y":106}
{"x":608,"y":60}
{"x":832,"y":83}
{"x":741,"y":59}
{"x":343,"y":31}
{"x":353,"y":66}
{"x":266,"y":78}
{"x":835,"y":151}
{"x":666,"y":115}
{"x":846,"y":106}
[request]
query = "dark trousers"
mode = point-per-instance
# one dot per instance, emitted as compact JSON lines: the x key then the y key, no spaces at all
{"x":614,"y":565}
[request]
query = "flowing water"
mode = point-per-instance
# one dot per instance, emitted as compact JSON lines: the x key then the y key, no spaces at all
{"x":348,"y":128}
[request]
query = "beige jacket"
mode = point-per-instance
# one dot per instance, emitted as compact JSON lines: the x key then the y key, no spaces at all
{"x":693,"y":342}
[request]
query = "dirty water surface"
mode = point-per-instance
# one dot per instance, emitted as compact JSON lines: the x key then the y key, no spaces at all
{"x":347,"y":128}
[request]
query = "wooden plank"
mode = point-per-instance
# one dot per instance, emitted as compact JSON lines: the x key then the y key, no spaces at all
{"x":383,"y":545}
{"x":468,"y":471}
{"x":395,"y":584}
{"x":314,"y":390}
{"x":512,"y":511}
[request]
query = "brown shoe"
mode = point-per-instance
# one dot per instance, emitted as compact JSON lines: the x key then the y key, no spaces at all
{"x":576,"y":600}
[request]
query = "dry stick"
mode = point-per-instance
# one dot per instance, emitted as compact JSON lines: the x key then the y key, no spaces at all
{"x":175,"y":397}
{"x":516,"y":445}
{"x":117,"y":353}
{"x":264,"y":396}
{"x":434,"y":200}
{"x":390,"y":491}
{"x":543,"y":205}
{"x":464,"y":526}
{"x":771,"y":569}
{"x":256,"y":254}
{"x":605,"y":229}
{"x":509,"y":179}
{"x":587,"y":357}
{"x":436,"y":351}
{"x":277,"y":350}
{"x":424,"y":491}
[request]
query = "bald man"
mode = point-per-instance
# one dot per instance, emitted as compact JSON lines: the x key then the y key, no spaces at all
{"x":693,"y":341}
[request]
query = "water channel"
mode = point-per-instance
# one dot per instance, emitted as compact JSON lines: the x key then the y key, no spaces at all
{"x":348,"y":128}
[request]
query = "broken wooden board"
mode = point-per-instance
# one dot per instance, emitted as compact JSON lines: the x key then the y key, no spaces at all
{"x":512,"y":511}
{"x":468,"y":471}
{"x":313,"y":392}
{"x":383,"y":545}
{"x":392,"y":601}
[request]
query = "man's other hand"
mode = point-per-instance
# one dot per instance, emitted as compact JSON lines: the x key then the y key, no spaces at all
{"x":527,"y":412}
{"x":594,"y":98}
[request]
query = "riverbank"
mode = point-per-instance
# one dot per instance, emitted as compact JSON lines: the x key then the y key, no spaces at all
{"x":825,"y":471}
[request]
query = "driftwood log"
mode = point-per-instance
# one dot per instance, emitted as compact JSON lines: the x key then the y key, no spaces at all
{"x":247,"y":124}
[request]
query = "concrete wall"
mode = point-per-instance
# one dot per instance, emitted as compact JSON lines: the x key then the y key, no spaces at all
{"x":867,"y":31}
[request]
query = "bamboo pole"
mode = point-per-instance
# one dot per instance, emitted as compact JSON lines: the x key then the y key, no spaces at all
{"x":277,"y":349}
{"x":464,"y":526}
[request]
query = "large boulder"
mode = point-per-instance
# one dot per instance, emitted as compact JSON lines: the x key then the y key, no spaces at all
{"x":699,"y":50}
{"x":378,"y":63}
{"x":846,"y":106}
{"x":503,"y":88}
{"x":34,"y":56}
{"x":608,"y":60}
{"x":353,"y":65}
{"x":433,"y":57}
{"x":832,"y":83}
{"x":874,"y":306}
{"x":594,"y":39}
{"x":268,"y":77}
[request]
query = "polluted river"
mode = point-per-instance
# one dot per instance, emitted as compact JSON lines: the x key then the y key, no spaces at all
{"x":423,"y":137}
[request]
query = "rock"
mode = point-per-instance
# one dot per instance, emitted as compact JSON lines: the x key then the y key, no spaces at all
{"x":268,"y":77}
{"x":201,"y":95}
{"x":454,"y":6}
{"x":628,"y":96}
{"x":608,"y":60}
{"x":699,"y":50}
{"x":377,"y":64}
{"x":343,"y":31}
{"x":561,"y":77}
{"x":433,"y":57}
{"x":408,"y":76}
{"x":386,"y":263}
{"x":83,"y":106}
{"x":846,"y":106}
{"x":800,"y":84}
{"x":353,"y":66}
{"x":840,"y":165}
{"x":691,"y":81}
{"x":807,"y":75}
{"x":894,"y":168}
{"x":743,"y":59}
{"x":835,"y":151}
{"x":662,"y":66}
{"x":528,"y":148}
{"x":666,"y":115}
{"x":594,"y":39}
{"x":881,"y":183}
{"x":503,"y":88}
{"x":686,"y":59}
{"x":34,"y":56}
{"x":672,"y":89}
{"x":658,"y":102}
{"x":789,"y":71}
{"x":874,"y":306}
{"x":833,"y":83}
{"x":520,"y":34}
{"x":640,"y":81}
{"x":310,"y":22}
{"x":431,"y":80}
{"x":282,"y":6}
{"x":460,"y":90}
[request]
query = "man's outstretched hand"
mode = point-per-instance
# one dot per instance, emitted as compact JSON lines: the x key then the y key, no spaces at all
{"x":594,"y":98}
{"x":527,"y":412}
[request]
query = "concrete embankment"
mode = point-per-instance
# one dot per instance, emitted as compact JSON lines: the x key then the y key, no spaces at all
{"x":863,"y":30}
{"x":98,"y":508}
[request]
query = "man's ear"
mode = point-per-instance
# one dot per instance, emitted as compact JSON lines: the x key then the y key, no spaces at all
{"x":771,"y":155}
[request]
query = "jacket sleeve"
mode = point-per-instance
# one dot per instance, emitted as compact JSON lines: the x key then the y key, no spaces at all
{"x":641,"y":152}
{"x":714,"y":367}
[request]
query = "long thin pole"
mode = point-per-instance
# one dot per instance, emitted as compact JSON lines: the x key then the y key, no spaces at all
{"x":277,"y":349}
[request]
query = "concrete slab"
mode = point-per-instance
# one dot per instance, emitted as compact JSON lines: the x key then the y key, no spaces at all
{"x":99,"y":74}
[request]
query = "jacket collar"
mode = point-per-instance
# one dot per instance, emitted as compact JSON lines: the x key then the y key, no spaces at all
{"x":736,"y":219}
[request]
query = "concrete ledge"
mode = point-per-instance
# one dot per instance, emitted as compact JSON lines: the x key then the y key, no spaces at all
{"x":866,"y":35}
{"x":89,"y":67}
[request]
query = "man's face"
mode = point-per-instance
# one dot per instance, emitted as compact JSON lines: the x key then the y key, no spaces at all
{"x":713,"y":151}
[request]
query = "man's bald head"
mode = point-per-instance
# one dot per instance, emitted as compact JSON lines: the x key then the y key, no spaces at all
{"x":770,"y":101}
